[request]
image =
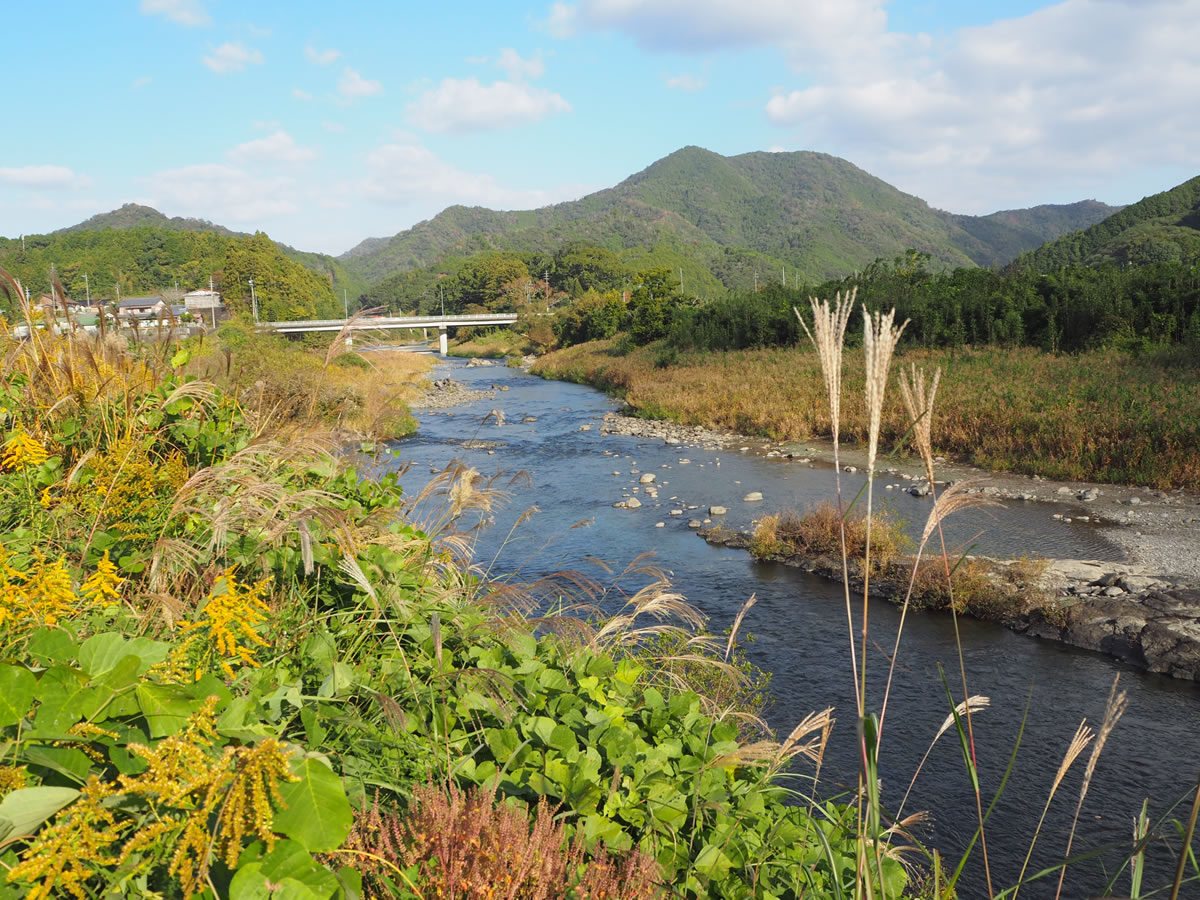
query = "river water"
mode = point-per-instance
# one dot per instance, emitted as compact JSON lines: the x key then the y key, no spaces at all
{"x":799,"y":624}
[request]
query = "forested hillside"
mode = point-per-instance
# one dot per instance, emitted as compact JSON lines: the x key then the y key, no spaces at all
{"x":161,"y":255}
{"x":145,"y":260}
{"x":1161,"y":228}
{"x":816,"y":215}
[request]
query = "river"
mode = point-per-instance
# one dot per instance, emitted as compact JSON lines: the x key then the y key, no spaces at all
{"x":799,"y":624}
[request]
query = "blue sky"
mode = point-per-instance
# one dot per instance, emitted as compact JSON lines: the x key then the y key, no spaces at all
{"x":323,"y":124}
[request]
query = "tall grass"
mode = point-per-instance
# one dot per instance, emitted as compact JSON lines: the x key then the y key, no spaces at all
{"x":1102,"y":416}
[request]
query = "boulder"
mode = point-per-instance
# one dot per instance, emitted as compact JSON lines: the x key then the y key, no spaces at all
{"x":717,"y":510}
{"x":753,"y":497}
{"x":648,"y":478}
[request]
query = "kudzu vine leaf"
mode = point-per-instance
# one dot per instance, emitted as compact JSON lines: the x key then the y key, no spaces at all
{"x":23,"y":810}
{"x":316,"y":813}
{"x":16,"y":694}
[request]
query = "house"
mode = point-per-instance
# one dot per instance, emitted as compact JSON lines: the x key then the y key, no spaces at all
{"x":140,"y":307}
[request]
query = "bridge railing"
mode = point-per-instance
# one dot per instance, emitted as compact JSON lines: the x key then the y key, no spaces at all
{"x":368,"y":322}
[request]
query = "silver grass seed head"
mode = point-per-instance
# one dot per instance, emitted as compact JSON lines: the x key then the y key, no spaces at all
{"x":879,"y":341}
{"x":918,"y":403}
{"x":828,"y":336}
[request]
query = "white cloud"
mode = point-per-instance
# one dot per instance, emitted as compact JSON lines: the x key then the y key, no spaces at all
{"x":233,"y":57}
{"x":406,"y":173}
{"x":1003,"y":115}
{"x":353,"y":85}
{"x":183,"y":12}
{"x":560,"y":21}
{"x":517,"y":68}
{"x":321,"y":57}
{"x":333,"y":127}
{"x":463,"y":105}
{"x":686,"y":82}
{"x":701,"y":26}
{"x":278,"y":147}
{"x":301,"y":95}
{"x":141,"y":82}
{"x":42,"y":177}
{"x":221,"y":193}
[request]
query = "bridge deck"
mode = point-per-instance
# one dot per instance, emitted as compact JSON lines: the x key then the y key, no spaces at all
{"x":369,"y":323}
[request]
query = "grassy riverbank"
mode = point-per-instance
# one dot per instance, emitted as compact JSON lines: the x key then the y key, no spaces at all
{"x":231,"y":665}
{"x":1101,"y":416}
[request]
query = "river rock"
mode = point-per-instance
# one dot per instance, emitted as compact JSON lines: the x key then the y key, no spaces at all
{"x":677,"y":512}
{"x":717,"y":510}
{"x":695,"y":523}
{"x":633,"y":503}
{"x":920,"y":490}
{"x":648,"y":478}
{"x":585,"y":427}
{"x":753,"y":497}
{"x":1088,"y":496}
{"x":529,"y":419}
{"x":1159,"y":630}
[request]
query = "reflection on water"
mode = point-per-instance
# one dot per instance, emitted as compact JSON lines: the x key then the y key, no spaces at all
{"x":799,"y":622}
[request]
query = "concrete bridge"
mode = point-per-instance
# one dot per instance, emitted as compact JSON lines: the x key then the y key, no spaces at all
{"x":376,"y":323}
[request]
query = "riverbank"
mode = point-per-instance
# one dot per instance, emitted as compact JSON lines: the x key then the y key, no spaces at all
{"x":1143,"y":610}
{"x":1102,"y":417}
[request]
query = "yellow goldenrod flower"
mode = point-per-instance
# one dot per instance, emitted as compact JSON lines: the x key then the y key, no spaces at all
{"x":104,"y":583}
{"x":21,"y":450}
{"x":46,"y":500}
{"x":232,"y":615}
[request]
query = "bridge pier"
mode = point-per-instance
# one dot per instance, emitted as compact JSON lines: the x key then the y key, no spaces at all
{"x":443,"y":344}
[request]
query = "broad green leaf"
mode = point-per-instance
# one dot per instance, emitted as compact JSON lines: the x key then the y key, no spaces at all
{"x":181,"y":358}
{"x":102,"y":652}
{"x":23,"y":810}
{"x":61,"y":691}
{"x":316,"y":812}
{"x":65,"y":760}
{"x":51,"y":645}
{"x":17,"y":685}
{"x":286,"y":873}
{"x":340,"y":679}
{"x":712,"y":861}
{"x":98,"y":703}
{"x":168,"y":706}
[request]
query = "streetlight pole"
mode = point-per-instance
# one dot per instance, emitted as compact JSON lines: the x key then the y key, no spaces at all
{"x":254,"y":301}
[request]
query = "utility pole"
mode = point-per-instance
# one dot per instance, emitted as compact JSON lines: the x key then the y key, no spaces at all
{"x":254,"y":301}
{"x":442,"y":294}
{"x":785,"y":276}
{"x":87,"y":288}
{"x":212,"y":303}
{"x":345,"y":304}
{"x":681,"y":279}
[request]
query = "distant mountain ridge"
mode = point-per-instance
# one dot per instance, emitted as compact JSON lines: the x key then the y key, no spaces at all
{"x":1159,"y":228}
{"x":816,"y":214}
{"x":728,"y":220}
{"x":134,"y":215}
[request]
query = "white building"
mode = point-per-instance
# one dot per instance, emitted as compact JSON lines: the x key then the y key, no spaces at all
{"x":202,"y":300}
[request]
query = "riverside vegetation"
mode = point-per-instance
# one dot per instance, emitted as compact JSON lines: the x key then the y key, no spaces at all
{"x":233,"y":666}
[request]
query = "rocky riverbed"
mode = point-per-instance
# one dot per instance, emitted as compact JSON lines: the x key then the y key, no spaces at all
{"x":1144,"y":610}
{"x":442,"y":393}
